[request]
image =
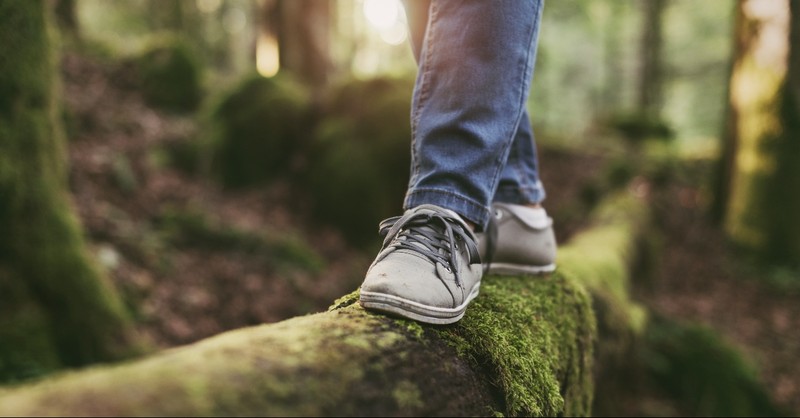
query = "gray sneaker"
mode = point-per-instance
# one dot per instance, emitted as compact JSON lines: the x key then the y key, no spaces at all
{"x":519,"y":240}
{"x":428,"y":269}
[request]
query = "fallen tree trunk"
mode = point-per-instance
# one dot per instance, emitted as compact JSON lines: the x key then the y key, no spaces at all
{"x":525,"y":347}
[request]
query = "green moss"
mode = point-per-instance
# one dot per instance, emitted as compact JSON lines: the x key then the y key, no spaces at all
{"x":191,"y":227}
{"x":42,"y":247}
{"x":534,"y":335}
{"x":171,"y":75}
{"x":407,"y":395}
{"x":620,"y":172}
{"x":25,"y":324}
{"x":413,"y":328}
{"x":303,"y":366}
{"x":601,"y":256}
{"x":704,"y":373}
{"x":345,"y":301}
{"x":256,"y":130}
{"x":359,"y":158}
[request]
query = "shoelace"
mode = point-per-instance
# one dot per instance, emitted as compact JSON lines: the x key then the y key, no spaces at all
{"x":416,"y":231}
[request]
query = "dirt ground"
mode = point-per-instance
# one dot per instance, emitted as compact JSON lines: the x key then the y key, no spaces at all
{"x":703,"y":279}
{"x":181,"y":292}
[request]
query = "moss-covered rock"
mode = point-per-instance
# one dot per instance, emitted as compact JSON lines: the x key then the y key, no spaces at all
{"x":256,"y":130}
{"x":360,"y":158}
{"x":171,"y":75}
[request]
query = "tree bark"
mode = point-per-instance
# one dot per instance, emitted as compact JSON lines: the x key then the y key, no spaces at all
{"x":55,"y":308}
{"x":525,"y":347}
{"x":763,"y":197}
{"x":67,"y":18}
{"x":651,"y":78}
{"x":723,"y":176}
{"x":303,"y":28}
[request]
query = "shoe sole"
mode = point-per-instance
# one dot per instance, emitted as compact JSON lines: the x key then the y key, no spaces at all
{"x":409,"y":309}
{"x":506,"y":269}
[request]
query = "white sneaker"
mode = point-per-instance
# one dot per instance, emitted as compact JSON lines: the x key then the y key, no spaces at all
{"x":428,"y":269}
{"x":519,"y":240}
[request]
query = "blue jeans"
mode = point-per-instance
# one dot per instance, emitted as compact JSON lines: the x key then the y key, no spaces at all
{"x":472,"y":139}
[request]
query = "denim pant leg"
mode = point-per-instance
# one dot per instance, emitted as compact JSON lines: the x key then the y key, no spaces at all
{"x":519,"y":182}
{"x":475,"y":65}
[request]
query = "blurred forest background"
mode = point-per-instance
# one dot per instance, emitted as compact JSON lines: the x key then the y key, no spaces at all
{"x":228,"y":161}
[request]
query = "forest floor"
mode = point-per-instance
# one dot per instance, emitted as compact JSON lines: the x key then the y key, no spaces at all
{"x":194,"y":260}
{"x":703,"y":279}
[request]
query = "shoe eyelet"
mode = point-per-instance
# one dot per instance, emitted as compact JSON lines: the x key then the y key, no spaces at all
{"x":498,"y":214}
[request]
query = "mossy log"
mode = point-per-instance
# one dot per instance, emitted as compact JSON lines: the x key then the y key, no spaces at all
{"x":525,"y":347}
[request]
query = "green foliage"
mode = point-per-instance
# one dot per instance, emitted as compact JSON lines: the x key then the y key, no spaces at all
{"x":616,"y":175}
{"x":619,"y":173}
{"x":257,"y":130}
{"x":569,"y":96}
{"x":703,"y":372}
{"x":638,"y":127}
{"x":171,"y":75}
{"x":358,"y":173}
{"x":196,"y":229}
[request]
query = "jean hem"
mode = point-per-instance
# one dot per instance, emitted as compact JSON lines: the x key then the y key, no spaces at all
{"x":462,"y":205}
{"x":520,"y":195}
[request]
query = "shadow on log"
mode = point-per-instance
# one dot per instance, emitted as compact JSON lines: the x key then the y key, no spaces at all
{"x":525,"y":347}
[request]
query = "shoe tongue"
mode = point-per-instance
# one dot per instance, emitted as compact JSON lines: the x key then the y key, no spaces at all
{"x":434,"y":209}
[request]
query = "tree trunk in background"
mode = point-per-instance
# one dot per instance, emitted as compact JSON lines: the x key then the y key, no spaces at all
{"x":764,"y":200}
{"x":651,"y":79}
{"x":613,"y":42}
{"x":67,"y":18}
{"x":303,"y":39}
{"x":723,"y":175}
{"x":55,"y":309}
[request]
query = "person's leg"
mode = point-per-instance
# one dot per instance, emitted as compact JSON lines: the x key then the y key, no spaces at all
{"x":519,"y":181}
{"x":519,"y":238}
{"x":475,"y":65}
